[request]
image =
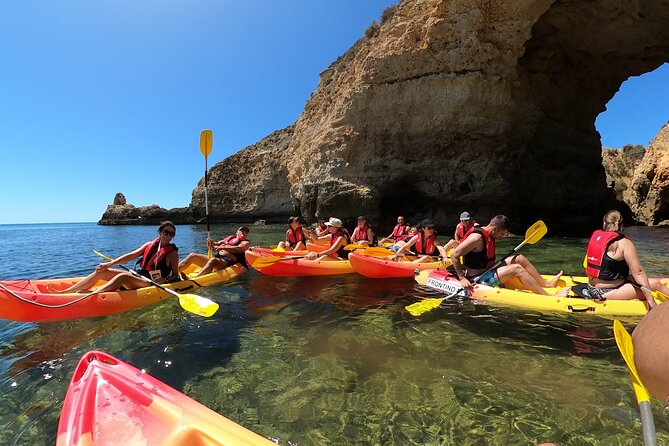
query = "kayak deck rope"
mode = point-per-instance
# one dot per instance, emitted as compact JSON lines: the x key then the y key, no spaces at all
{"x":39,"y":304}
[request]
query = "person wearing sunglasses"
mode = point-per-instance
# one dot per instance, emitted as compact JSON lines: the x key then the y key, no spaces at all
{"x":227,"y":252}
{"x":478,"y":253}
{"x":425,"y":243}
{"x":159,"y":262}
{"x":296,"y":236}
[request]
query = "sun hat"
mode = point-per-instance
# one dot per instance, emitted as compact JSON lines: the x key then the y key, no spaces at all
{"x":334,"y":222}
{"x":362,"y":217}
{"x":465,"y":216}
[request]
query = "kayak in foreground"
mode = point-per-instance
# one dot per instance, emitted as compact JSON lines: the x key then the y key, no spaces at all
{"x":382,"y":268}
{"x":296,"y":267}
{"x":34,"y":300}
{"x":514,"y":295}
{"x":110,"y":402}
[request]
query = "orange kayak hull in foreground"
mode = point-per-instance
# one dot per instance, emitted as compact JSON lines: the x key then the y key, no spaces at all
{"x":32,"y":301}
{"x":110,"y":402}
{"x":382,"y":268}
{"x":300,"y":267}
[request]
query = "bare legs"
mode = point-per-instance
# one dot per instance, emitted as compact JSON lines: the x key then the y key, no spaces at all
{"x":87,"y":282}
{"x":527,"y":266}
{"x":205,"y":264}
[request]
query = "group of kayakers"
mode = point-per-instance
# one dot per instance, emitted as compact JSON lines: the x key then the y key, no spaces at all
{"x":613,"y":265}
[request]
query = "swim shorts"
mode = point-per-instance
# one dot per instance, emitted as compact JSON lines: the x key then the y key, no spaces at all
{"x":489,"y":278}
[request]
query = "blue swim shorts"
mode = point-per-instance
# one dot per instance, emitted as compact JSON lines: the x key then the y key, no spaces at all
{"x":490,"y":278}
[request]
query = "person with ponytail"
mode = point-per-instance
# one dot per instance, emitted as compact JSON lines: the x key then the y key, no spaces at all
{"x":613,"y":267}
{"x":159,"y":261}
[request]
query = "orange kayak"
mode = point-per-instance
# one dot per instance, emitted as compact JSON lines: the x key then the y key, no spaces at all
{"x":110,"y":402}
{"x":33,"y":300}
{"x":382,"y":268}
{"x":298,"y":267}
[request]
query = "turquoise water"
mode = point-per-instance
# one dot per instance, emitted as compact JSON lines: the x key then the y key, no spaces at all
{"x":333,"y":360}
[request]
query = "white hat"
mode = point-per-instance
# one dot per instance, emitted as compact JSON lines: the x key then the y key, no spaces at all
{"x":334,"y":222}
{"x":465,"y":216}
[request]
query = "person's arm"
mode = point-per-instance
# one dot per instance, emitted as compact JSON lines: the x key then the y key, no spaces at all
{"x":461,"y":250}
{"x":309,"y":235}
{"x":341,"y":241}
{"x":232,"y":249}
{"x":412,"y":241}
{"x":636,"y":270}
{"x":455,"y":236}
{"x":370,"y":235}
{"x":172,"y":262}
{"x":442,"y":252}
{"x":124,"y":258}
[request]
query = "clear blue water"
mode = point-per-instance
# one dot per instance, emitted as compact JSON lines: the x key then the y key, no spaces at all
{"x":332,"y":360}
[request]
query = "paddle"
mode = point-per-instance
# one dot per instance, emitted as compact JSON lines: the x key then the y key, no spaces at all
{"x":206,"y":142}
{"x":383,"y":252}
{"x":278,"y":250}
{"x":624,"y":341}
{"x":262,"y":262}
{"x":190,"y":302}
{"x":352,"y":246}
{"x":533,"y":234}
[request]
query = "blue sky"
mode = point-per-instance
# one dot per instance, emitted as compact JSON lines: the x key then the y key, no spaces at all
{"x":99,"y":97}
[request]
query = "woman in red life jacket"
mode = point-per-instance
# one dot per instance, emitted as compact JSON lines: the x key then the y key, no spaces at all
{"x":159,"y":262}
{"x":363,"y":234}
{"x":462,"y":230}
{"x":402,"y":240}
{"x":425,"y":243}
{"x":227,"y":252}
{"x":400,"y":230}
{"x":296,"y":236}
{"x":611,"y":259}
{"x":478,"y":253}
{"x":338,"y":238}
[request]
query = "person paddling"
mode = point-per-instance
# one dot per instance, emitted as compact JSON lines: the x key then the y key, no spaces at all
{"x":296,"y":236}
{"x":400,"y":231}
{"x":425,"y":243}
{"x":228,"y":251}
{"x":478,"y":253}
{"x":338,"y":238}
{"x":159,"y":262}
{"x":613,"y":267}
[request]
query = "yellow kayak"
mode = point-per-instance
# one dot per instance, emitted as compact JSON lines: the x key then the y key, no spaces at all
{"x":514,"y":295}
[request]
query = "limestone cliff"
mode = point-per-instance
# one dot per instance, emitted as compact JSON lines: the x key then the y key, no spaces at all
{"x":445,"y":105}
{"x":487,"y":105}
{"x":648,"y":194}
{"x":619,"y":166}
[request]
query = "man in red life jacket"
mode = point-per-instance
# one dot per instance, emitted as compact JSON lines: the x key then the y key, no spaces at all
{"x":227,"y":252}
{"x":400,"y":231}
{"x":478,"y":253}
{"x":462,"y":230}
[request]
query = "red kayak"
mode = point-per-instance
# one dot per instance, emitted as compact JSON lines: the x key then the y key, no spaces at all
{"x":35,"y":301}
{"x":297,"y":267}
{"x":110,"y":402}
{"x":382,"y":268}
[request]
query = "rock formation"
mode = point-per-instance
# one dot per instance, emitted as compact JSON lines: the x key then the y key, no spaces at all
{"x":122,"y":213}
{"x":487,"y":106}
{"x":619,"y":165}
{"x":484,"y":105}
{"x":648,"y":194}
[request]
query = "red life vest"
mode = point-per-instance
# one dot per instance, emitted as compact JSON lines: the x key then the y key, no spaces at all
{"x":294,"y":237}
{"x":484,"y":259}
{"x":341,"y":252}
{"x":599,"y":264}
{"x":233,"y":240}
{"x":360,"y":234}
{"x":154,"y":258}
{"x":460,"y":230}
{"x":399,"y":231}
{"x":429,"y":248}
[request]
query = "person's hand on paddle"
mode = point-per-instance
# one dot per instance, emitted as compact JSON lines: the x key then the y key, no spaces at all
{"x":465,"y":282}
{"x":103,"y":266}
{"x":311,"y":256}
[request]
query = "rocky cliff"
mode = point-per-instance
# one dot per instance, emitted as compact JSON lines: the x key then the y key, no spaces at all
{"x":445,"y":105}
{"x":648,"y":192}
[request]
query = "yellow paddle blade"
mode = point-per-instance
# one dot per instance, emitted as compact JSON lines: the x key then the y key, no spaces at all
{"x":262,"y":262}
{"x":352,"y":246}
{"x":102,"y":255}
{"x":198,"y":305}
{"x":624,"y":341}
{"x":378,"y":252}
{"x":535,"y":232}
{"x":585,"y":261}
{"x":206,"y":142}
{"x":424,"y":306}
{"x":278,"y":250}
{"x":659,"y":296}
